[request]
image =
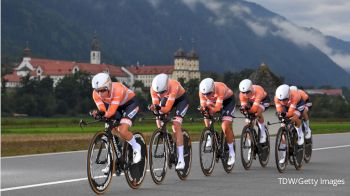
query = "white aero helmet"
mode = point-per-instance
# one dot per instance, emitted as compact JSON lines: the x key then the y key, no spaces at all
{"x":293,"y":88}
{"x":206,"y":86}
{"x":282,"y":92}
{"x":246,"y":85}
{"x":160,"y":83}
{"x":101,"y":80}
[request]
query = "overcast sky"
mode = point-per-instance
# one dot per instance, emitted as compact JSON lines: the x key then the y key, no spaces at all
{"x":331,"y":17}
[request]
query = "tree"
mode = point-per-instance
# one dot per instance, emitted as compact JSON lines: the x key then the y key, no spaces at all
{"x":139,"y":84}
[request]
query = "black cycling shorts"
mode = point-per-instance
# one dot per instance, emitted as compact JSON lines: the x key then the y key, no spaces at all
{"x":180,"y":105}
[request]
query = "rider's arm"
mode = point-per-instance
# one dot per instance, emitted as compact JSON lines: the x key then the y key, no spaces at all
{"x":256,"y":104}
{"x":243,"y":100}
{"x":278,"y":105}
{"x":218,"y":105}
{"x":155,"y":98}
{"x":98,"y":101}
{"x":117,"y":97}
{"x":293,"y":105}
{"x":169,"y":103}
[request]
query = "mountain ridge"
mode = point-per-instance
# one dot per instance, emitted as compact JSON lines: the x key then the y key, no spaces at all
{"x":229,"y":36}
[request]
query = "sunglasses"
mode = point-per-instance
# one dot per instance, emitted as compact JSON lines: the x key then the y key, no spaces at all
{"x":101,"y":90}
{"x":247,"y":92}
{"x":207,"y":94}
{"x":283,"y":99}
{"x":161,"y":92}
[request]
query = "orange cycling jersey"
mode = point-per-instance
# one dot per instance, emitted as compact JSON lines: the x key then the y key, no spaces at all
{"x":221,"y":93}
{"x":293,"y":100}
{"x":257,"y":95}
{"x":120,"y":94}
{"x":174,"y":91}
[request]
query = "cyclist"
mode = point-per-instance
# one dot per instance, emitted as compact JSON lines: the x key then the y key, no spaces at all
{"x":308,"y":106}
{"x":216,"y":96}
{"x":254,"y":99}
{"x":114,"y":100}
{"x":290,"y":104}
{"x":168,"y":94}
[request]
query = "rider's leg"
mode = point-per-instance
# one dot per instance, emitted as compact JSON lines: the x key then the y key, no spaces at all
{"x":159,"y":123}
{"x":208,"y":142}
{"x":227,"y":128}
{"x":206,"y":122}
{"x":283,"y":146}
{"x":179,"y":141}
{"x":129,"y":137}
{"x":261,"y":124}
{"x":298,"y":127}
{"x":306,"y":123}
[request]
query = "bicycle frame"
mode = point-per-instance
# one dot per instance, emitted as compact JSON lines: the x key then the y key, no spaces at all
{"x":287,"y":126}
{"x":166,"y":136}
{"x":251,"y":121}
{"x":116,"y":148}
{"x":218,"y":139}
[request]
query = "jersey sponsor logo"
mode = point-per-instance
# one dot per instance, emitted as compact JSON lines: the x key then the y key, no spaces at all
{"x":300,"y":108}
{"x":184,"y":111}
{"x":134,"y":112}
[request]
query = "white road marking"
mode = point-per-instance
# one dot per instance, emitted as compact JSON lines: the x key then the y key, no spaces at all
{"x":44,"y":154}
{"x":51,"y":183}
{"x":330,"y":147}
{"x":81,"y":179}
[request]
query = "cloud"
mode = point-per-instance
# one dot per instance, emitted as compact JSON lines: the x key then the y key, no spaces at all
{"x":258,"y":29}
{"x":154,"y":3}
{"x":303,"y":38}
{"x":318,"y":9}
{"x":239,"y":9}
{"x":319,"y":14}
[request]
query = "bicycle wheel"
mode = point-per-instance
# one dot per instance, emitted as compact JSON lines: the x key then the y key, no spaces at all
{"x":226,"y":153}
{"x":308,"y":150}
{"x":100,"y":163}
{"x":298,"y":151}
{"x":207,"y":151}
{"x":135,"y":173}
{"x":183,"y":173}
{"x":265,"y":154}
{"x":281,"y":151}
{"x":247,"y":143}
{"x":158,"y":156}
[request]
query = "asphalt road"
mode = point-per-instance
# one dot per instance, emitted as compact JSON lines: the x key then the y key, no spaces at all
{"x":65,"y":174}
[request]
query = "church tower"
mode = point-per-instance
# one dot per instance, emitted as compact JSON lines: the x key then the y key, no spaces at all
{"x":193,"y":63}
{"x":95,"y":54}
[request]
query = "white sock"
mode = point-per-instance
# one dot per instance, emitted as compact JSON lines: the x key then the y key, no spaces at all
{"x":180,"y":150}
{"x":134,"y":144}
{"x":307,"y":123}
{"x":282,"y":145}
{"x":262,"y":128}
{"x":299,"y":131}
{"x":230,"y":147}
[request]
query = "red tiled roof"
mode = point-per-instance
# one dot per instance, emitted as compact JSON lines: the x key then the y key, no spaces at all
{"x":59,"y":67}
{"x":333,"y":91}
{"x":12,"y":77}
{"x":53,"y":67}
{"x":148,"y":70}
{"x":94,"y":69}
